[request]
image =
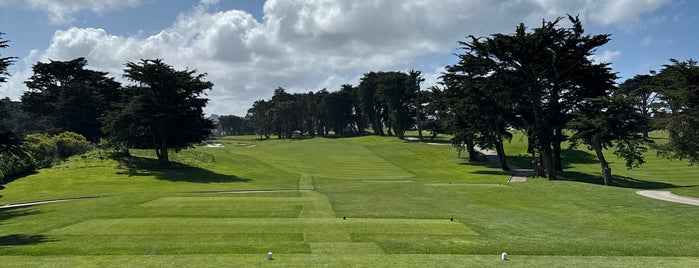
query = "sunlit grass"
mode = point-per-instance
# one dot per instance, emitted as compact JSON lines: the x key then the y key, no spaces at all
{"x":365,"y":201}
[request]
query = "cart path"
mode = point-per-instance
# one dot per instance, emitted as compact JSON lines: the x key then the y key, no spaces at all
{"x":520,"y":174}
{"x":32,"y":203}
{"x":668,"y":196}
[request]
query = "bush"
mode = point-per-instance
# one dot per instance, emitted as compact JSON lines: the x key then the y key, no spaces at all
{"x":49,"y":150}
{"x":15,"y":163}
{"x":71,"y":143}
{"x":43,"y":149}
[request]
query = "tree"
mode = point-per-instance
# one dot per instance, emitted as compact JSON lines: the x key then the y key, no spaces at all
{"x":479,"y":104}
{"x":643,"y":90}
{"x":65,"y":96}
{"x":162,"y":110}
{"x":338,"y":106}
{"x":260,"y":116}
{"x":550,"y":71}
{"x":5,"y":62}
{"x":231,"y":125}
{"x":603,"y":122}
{"x":679,"y":113}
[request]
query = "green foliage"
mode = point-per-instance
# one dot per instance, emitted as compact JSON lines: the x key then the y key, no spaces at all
{"x":4,"y":61}
{"x":64,"y":96}
{"x":14,"y":157}
{"x":164,"y":109}
{"x":679,"y":113}
{"x":48,"y":150}
{"x":43,"y":149}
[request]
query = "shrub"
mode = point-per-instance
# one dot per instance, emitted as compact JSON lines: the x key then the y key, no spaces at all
{"x":15,"y":163}
{"x":43,"y":149}
{"x":49,"y":150}
{"x":71,"y":143}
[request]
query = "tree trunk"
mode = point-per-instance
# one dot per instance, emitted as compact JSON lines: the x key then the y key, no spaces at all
{"x":472,"y":154}
{"x":500,"y":150}
{"x":557,"y":138}
{"x":163,"y":157}
{"x":606,"y":171}
{"x":547,"y":157}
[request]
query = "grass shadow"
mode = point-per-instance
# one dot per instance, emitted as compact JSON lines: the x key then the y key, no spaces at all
{"x":23,"y":240}
{"x":176,"y":172}
{"x":9,"y":213}
{"x":618,"y":181}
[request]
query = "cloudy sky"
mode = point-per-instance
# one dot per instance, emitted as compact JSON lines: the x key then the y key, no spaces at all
{"x":250,"y":47}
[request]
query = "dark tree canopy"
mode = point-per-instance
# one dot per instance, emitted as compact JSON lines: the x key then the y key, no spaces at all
{"x":162,"y":110}
{"x":548,"y":71}
{"x":679,"y":114}
{"x":5,"y":62}
{"x":611,"y":122}
{"x":64,"y":96}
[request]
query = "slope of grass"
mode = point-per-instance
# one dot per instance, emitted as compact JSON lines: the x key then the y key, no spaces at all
{"x":366,"y":201}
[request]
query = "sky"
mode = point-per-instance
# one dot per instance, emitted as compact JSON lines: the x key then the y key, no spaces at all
{"x":248,"y":48}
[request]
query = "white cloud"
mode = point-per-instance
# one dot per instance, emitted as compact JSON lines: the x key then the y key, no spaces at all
{"x":606,"y":56}
{"x":603,"y":12}
{"x":310,"y":45}
{"x":62,"y":11}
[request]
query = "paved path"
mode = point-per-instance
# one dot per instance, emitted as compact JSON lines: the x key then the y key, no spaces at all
{"x":26,"y":204}
{"x":668,"y":196}
{"x":520,"y":175}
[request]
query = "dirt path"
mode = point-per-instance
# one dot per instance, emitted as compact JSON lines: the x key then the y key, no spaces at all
{"x":668,"y":196}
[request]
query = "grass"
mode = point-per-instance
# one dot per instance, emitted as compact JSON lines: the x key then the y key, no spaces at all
{"x":365,"y":201}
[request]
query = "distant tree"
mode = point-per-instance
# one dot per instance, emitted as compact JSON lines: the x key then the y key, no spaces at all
{"x":611,"y":121}
{"x":231,"y":125}
{"x":14,"y":119}
{"x":261,"y":117}
{"x":162,"y":110}
{"x":397,"y":92}
{"x":5,"y":62}
{"x":371,"y":108}
{"x":338,"y":106}
{"x":643,"y":89}
{"x":65,"y":96}
{"x":679,"y":113}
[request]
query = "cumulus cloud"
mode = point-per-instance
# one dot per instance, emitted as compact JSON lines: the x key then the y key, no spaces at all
{"x":315,"y":44}
{"x":62,"y":11}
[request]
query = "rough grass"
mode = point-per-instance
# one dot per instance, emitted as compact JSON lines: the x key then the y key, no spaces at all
{"x":367,"y":201}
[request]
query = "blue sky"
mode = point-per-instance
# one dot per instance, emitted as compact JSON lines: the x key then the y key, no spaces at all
{"x":250,"y":47}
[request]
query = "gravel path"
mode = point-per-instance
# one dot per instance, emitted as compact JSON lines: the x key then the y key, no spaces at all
{"x":668,"y":196}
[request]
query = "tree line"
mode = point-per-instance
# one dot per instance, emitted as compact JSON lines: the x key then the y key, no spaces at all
{"x":540,"y":81}
{"x":70,"y":108}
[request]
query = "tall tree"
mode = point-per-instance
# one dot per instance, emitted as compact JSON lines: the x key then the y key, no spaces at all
{"x":479,"y":104}
{"x":5,"y":62}
{"x":163,"y":109}
{"x":611,"y":121}
{"x":643,"y":89}
{"x":552,"y":71}
{"x":67,"y":97}
{"x":260,"y":116}
{"x":679,"y":114}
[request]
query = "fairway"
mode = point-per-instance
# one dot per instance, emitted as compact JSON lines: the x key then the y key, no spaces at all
{"x":367,"y":201}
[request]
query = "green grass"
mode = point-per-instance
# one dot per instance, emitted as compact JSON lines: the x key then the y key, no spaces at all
{"x":365,"y":201}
